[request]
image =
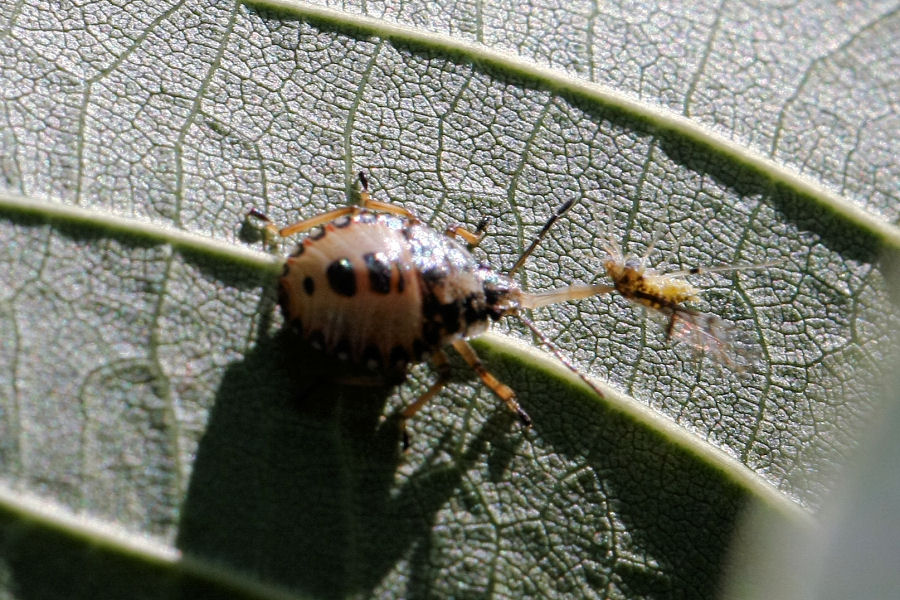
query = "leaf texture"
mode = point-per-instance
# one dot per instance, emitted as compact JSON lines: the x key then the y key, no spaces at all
{"x":145,"y":384}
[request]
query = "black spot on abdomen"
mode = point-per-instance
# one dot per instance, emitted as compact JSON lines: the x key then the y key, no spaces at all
{"x":379,"y":272}
{"x":341,"y":277}
{"x":399,"y":357}
{"x":371,"y":357}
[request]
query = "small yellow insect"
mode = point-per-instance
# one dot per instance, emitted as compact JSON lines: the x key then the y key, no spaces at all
{"x":666,"y":293}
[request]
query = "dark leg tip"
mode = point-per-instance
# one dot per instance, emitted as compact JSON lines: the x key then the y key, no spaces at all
{"x":404,"y":435}
{"x":405,"y":440}
{"x":524,"y":419}
{"x":255,"y":212}
{"x":670,"y":328}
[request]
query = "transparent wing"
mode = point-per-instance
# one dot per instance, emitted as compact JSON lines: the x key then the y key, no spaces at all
{"x":714,"y":337}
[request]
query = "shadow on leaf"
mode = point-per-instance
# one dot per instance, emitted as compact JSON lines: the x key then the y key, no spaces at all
{"x":303,"y":491}
{"x":295,"y":483}
{"x":655,"y":519}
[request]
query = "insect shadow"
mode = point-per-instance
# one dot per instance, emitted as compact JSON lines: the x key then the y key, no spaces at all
{"x":296,"y":484}
{"x":304,"y":491}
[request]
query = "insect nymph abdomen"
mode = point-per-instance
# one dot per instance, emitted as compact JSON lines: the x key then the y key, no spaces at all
{"x":383,"y":291}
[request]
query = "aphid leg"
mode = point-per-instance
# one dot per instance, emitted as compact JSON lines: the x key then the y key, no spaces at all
{"x":442,"y":366}
{"x":670,"y":328}
{"x":503,"y":391}
{"x":365,"y":200}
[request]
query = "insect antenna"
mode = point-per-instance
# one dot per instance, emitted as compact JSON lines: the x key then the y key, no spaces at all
{"x":541,"y":234}
{"x":720,"y":269}
{"x":564,"y":294}
{"x":554,"y":349}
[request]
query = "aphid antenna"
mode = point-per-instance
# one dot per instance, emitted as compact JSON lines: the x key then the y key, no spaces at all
{"x":657,"y":235}
{"x":722,"y":269}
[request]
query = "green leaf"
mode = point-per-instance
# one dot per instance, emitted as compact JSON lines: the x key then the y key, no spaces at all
{"x":160,"y":437}
{"x":852,"y":550}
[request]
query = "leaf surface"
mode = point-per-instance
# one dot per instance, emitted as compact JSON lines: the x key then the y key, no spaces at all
{"x":144,"y":384}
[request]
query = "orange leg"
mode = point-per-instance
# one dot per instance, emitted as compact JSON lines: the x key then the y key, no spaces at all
{"x":503,"y":391}
{"x":442,"y":365}
{"x":315,"y":221}
{"x":365,"y":202}
{"x":472,"y":238}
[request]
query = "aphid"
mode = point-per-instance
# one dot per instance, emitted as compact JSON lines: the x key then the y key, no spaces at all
{"x":666,"y":294}
{"x":374,"y":286}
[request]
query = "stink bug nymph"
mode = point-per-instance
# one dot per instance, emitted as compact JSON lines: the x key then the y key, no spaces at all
{"x":373,"y":286}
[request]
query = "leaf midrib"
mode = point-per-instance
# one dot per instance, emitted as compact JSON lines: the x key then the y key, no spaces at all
{"x":658,"y":119}
{"x":269,"y":265}
{"x":32,"y":511}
